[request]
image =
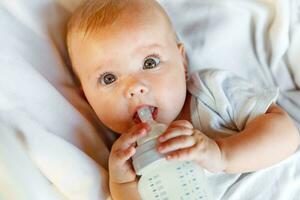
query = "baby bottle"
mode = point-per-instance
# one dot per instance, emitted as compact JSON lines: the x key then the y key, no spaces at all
{"x":161,"y":179}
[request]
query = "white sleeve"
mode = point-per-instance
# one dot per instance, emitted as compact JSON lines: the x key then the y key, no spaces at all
{"x":225,"y":103}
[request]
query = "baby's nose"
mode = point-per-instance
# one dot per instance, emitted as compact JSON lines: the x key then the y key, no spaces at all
{"x":136,"y":90}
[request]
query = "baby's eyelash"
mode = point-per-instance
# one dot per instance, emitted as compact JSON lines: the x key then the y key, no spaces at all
{"x":102,"y":75}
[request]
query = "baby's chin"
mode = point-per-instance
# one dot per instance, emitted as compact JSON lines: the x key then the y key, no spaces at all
{"x":121,"y":128}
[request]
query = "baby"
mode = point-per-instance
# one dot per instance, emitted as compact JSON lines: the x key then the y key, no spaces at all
{"x":126,"y":55}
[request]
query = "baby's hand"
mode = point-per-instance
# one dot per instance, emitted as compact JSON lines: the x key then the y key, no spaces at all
{"x":120,"y":168}
{"x":182,"y":142}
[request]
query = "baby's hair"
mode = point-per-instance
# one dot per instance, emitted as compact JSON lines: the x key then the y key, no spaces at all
{"x":92,"y":15}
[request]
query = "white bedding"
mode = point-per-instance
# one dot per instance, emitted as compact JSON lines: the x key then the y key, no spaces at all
{"x":50,"y":141}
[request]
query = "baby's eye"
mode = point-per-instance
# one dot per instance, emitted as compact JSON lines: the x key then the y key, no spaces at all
{"x":107,"y":78}
{"x":151,"y":62}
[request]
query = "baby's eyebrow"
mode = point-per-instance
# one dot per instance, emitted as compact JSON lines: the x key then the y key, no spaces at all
{"x":149,"y":46}
{"x":96,"y":70}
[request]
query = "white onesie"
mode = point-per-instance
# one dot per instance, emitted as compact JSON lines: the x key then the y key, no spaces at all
{"x":223,"y":103}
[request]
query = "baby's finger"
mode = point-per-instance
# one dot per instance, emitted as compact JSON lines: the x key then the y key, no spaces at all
{"x":181,"y":123}
{"x":125,"y":154}
{"x":122,"y":155}
{"x":129,"y":138}
{"x":174,"y":132}
{"x":182,"y":154}
{"x":173,"y":144}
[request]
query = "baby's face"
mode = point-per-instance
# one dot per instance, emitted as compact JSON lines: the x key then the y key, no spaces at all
{"x":136,"y":61}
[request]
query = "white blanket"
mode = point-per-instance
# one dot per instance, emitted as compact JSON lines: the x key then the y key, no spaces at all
{"x":51,"y":144}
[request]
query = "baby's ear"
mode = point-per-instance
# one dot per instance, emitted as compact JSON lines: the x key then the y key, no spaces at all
{"x":184,"y":57}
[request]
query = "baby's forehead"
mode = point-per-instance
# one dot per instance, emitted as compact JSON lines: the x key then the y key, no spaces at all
{"x":94,"y":18}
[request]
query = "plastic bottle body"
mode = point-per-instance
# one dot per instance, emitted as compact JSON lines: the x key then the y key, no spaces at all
{"x":166,"y":180}
{"x":173,"y":180}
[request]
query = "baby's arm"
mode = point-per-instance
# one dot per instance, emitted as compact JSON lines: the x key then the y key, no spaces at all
{"x":266,"y":140}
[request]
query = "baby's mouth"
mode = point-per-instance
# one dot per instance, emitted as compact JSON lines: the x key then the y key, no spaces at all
{"x":154,"y":111}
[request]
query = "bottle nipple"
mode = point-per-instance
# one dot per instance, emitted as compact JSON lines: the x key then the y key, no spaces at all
{"x":145,"y":114}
